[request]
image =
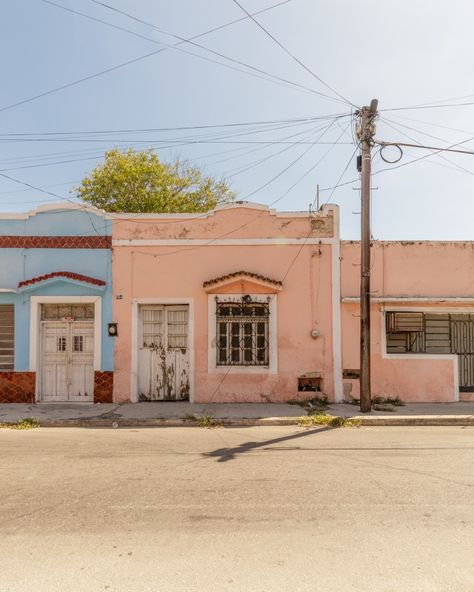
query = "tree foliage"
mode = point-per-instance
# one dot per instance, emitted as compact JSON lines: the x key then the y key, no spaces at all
{"x":137,"y":181}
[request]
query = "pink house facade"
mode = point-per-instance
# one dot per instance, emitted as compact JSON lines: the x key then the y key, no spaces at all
{"x":241,"y":304}
{"x":246,"y":304}
{"x":422,"y":325}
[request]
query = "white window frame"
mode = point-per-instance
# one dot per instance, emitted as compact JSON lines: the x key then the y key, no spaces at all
{"x":412,"y":356}
{"x":212,"y":366}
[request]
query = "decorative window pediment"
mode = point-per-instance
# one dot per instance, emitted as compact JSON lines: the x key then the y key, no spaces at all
{"x":61,"y":276}
{"x":242,"y":282}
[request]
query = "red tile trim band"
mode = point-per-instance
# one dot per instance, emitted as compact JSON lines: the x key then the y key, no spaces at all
{"x":55,"y":242}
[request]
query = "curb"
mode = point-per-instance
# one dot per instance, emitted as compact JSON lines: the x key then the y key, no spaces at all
{"x":407,"y":420}
{"x":420,"y":420}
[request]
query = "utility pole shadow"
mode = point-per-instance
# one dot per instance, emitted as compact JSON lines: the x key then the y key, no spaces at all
{"x":226,"y":454}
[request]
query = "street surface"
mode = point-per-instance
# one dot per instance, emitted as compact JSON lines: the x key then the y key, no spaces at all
{"x":263,"y":509}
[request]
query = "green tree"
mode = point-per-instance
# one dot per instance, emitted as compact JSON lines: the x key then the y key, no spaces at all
{"x":137,"y":181}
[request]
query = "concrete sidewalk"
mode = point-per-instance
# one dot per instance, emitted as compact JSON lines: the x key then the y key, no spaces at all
{"x":173,"y":413}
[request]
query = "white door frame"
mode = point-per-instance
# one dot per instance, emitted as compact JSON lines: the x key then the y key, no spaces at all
{"x":136,"y":302}
{"x":71,"y":357}
{"x":35,"y":332}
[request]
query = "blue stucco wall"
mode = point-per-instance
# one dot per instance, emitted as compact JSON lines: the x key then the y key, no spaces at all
{"x":62,"y":222}
{"x":18,"y":265}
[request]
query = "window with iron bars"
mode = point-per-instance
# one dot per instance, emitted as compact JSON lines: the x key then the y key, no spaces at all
{"x":242,"y":332}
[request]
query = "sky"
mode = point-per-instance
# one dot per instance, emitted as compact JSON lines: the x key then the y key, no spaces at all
{"x":294,"y":131}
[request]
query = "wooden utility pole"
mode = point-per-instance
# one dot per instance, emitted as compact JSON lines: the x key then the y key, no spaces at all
{"x":365,"y":134}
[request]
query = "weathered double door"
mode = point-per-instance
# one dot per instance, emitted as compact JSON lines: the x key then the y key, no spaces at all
{"x":163,"y":356}
{"x":67,"y":361}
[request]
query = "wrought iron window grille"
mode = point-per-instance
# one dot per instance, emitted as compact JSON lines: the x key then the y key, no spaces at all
{"x":242,"y":331}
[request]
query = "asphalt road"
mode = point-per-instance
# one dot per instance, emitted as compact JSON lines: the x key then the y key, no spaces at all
{"x":243,"y":509}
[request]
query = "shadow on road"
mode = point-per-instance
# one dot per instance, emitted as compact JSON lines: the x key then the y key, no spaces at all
{"x":225,"y":454}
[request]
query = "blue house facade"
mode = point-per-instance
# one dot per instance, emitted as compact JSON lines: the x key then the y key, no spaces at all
{"x":56,"y":305}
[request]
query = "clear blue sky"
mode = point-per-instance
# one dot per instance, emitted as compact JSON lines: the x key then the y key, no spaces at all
{"x":400,"y":52}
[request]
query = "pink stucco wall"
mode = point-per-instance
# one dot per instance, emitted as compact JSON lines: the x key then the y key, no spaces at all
{"x":411,"y":268}
{"x":406,"y":275}
{"x":411,"y":378}
{"x":179,"y":268}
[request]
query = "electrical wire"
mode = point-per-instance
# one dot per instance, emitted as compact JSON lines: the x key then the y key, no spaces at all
{"x":182,"y":128}
{"x":291,"y":55}
{"x":438,"y":125}
{"x":292,"y":163}
{"x":245,"y":224}
{"x":36,"y":188}
{"x":239,"y":170}
{"x":171,"y":144}
{"x":341,"y":177}
{"x":118,"y":66}
{"x":442,"y":101}
{"x":437,"y":149}
{"x":183,"y":40}
{"x":427,"y":107}
{"x":256,"y":72}
{"x":394,"y":126}
{"x":248,"y":15}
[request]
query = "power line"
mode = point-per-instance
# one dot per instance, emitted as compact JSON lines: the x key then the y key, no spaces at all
{"x":403,"y":164}
{"x":248,"y":152}
{"x":291,"y":55}
{"x":256,"y":72}
{"x":241,"y":169}
{"x":36,"y":188}
{"x":202,"y":137}
{"x":174,"y":143}
{"x":442,"y":101}
{"x":144,"y":22}
{"x":181,"y":128}
{"x":428,"y":107}
{"x":432,"y":124}
{"x":245,"y":224}
{"x":183,"y":40}
{"x":118,"y":66}
{"x":300,"y":179}
{"x":318,"y":162}
{"x":171,"y":144}
{"x":290,"y":165}
{"x":394,"y":126}
{"x":341,"y":177}
{"x":436,"y":148}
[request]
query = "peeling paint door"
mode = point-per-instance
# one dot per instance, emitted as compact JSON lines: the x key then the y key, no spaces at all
{"x":163,"y":360}
{"x":67,"y":361}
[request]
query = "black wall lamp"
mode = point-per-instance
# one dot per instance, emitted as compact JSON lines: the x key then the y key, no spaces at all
{"x":112,"y":329}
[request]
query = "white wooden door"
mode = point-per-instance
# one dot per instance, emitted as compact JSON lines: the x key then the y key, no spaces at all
{"x":67,"y":361}
{"x":163,"y":357}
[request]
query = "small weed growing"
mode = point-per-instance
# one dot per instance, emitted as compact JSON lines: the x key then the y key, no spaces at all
{"x":27,"y":423}
{"x":333,"y":421}
{"x":206,"y":421}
